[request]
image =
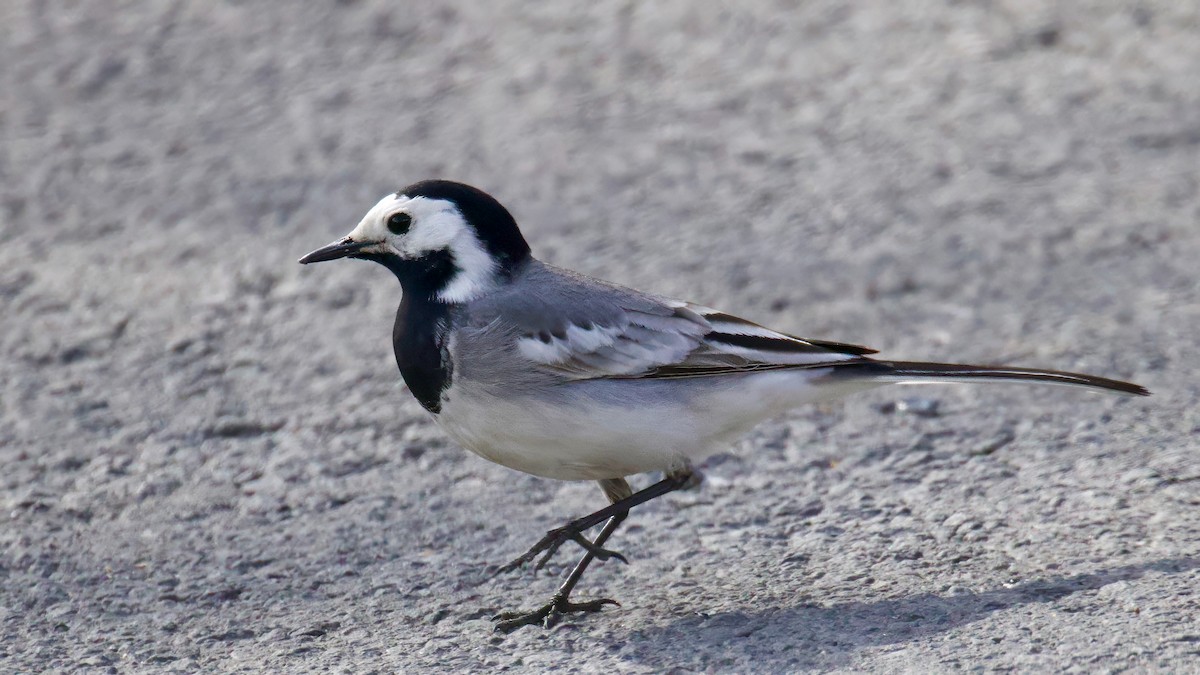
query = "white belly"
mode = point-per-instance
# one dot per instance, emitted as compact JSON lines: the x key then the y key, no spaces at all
{"x":597,"y":429}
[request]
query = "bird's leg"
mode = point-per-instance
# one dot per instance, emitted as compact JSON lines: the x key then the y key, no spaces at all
{"x":559,"y":605}
{"x":623,"y":498}
{"x":573,"y":531}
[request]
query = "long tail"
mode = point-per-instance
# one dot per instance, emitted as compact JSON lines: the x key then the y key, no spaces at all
{"x":916,"y":371}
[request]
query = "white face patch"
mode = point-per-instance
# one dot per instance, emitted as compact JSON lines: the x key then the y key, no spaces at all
{"x":436,"y":226}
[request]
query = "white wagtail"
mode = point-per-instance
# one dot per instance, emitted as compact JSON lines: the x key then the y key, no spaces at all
{"x":563,"y":376}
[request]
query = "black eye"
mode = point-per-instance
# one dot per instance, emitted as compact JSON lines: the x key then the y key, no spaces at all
{"x":398,"y":223}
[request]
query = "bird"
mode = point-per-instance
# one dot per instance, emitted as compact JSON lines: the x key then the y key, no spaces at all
{"x":563,"y":376}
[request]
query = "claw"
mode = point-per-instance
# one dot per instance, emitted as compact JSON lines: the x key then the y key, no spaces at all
{"x":548,"y":615}
{"x":506,"y":616}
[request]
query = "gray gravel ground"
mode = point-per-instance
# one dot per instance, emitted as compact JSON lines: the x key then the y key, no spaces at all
{"x":208,"y":462}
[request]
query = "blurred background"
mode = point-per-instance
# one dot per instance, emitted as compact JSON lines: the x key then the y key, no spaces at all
{"x":208,"y":460}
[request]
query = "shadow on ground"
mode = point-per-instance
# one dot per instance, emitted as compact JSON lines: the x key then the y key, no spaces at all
{"x":808,"y":633}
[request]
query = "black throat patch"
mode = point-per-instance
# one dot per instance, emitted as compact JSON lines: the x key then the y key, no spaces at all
{"x":419,"y":339}
{"x":421,"y":331}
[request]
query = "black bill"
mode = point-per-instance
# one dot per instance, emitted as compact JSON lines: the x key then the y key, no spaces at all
{"x":338,"y":249}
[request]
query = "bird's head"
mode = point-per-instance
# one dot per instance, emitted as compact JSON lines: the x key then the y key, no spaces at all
{"x":448,"y":241}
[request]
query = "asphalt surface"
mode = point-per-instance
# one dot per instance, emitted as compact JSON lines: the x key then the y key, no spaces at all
{"x":208,"y":461}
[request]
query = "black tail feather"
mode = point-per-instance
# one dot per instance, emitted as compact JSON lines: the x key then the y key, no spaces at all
{"x":917,"y":371}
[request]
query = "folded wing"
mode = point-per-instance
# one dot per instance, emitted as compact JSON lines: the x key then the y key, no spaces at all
{"x":673,"y":339}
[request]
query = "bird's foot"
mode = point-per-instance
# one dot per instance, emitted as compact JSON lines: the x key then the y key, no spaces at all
{"x":549,"y":545}
{"x":547,"y":615}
